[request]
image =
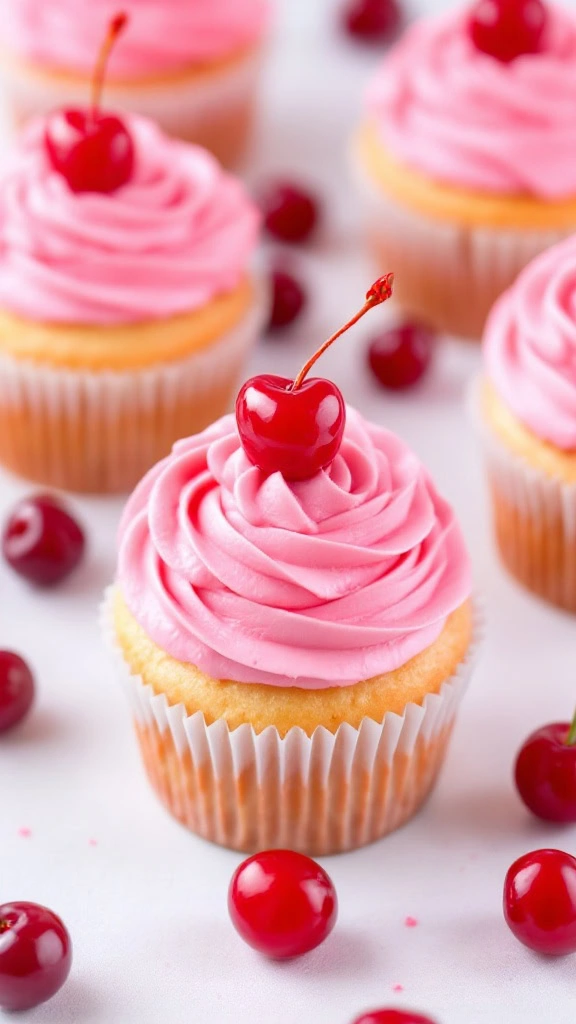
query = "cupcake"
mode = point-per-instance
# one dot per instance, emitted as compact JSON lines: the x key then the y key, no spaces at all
{"x":293,"y":624}
{"x":193,"y":66}
{"x":526,"y":409}
{"x":466,"y":157}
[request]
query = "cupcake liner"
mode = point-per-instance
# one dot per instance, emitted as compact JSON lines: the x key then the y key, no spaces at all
{"x":100,"y":431}
{"x":321,"y":795}
{"x":534,"y":517}
{"x":446,"y":273}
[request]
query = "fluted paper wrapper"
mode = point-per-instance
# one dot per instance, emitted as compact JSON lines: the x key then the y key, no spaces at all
{"x":320,"y":795}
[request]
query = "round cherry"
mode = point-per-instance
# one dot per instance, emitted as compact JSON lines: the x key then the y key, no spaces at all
{"x":545,"y":772}
{"x":296,"y":427}
{"x":92,"y":150}
{"x":288,"y":299}
{"x":16,"y":689}
{"x":372,"y":21}
{"x":282,"y":903}
{"x":540,"y":901}
{"x":400,"y":356}
{"x":290,"y":213}
{"x":41,"y":540}
{"x":392,"y":1017}
{"x":35,"y":955}
{"x":507,"y":29}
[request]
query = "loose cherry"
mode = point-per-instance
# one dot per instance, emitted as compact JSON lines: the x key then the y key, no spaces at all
{"x":16,"y":689}
{"x":35,"y":955}
{"x":41,"y":540}
{"x":288,"y":299}
{"x":400,"y":356}
{"x":92,"y":150}
{"x":290,"y":213}
{"x":372,"y":21}
{"x":540,"y":901}
{"x":546,"y":772}
{"x":296,"y":427}
{"x":507,"y":29}
{"x":282,"y":903}
{"x":392,"y":1017}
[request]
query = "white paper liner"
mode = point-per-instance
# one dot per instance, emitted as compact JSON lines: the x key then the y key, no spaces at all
{"x":534,"y":515}
{"x":447,"y":274}
{"x":100,"y":431}
{"x":321,"y":795}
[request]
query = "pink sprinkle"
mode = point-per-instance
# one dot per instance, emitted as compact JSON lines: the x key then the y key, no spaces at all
{"x":411,"y":922}
{"x":397,"y":988}
{"x":24,"y":832}
{"x":92,"y":842}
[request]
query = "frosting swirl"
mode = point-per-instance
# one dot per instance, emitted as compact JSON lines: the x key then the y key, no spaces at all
{"x":530,"y":346}
{"x":178,"y":234}
{"x":319,"y":583}
{"x":466,"y":119}
{"x":164,"y":35}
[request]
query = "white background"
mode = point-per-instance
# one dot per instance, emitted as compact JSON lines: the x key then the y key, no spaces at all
{"x":144,"y":900}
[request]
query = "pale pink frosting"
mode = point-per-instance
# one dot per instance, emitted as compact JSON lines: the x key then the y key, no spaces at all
{"x":312,"y":584}
{"x":530,"y":346}
{"x":163,"y":35}
{"x":180,"y":233}
{"x":466,"y":119}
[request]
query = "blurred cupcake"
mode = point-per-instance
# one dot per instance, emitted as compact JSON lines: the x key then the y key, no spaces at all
{"x":466,"y":158}
{"x":191,"y":65}
{"x":294,"y":650}
{"x":527,"y":413}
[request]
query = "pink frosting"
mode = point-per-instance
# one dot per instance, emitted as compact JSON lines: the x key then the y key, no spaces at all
{"x":312,"y":584}
{"x":530,"y":346}
{"x":162,"y":35}
{"x":181,"y":232}
{"x":466,"y":119}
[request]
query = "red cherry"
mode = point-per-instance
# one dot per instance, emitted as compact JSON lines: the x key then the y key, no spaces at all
{"x":507,"y":29}
{"x":540,"y":901}
{"x":35,"y":955}
{"x":92,"y":150}
{"x":290,"y":213}
{"x":16,"y":689}
{"x":288,"y":299}
{"x":546,"y":772}
{"x":400,"y":356}
{"x":372,"y":21}
{"x":282,"y":903}
{"x":392,"y":1017}
{"x":41,"y":540}
{"x":296,"y":427}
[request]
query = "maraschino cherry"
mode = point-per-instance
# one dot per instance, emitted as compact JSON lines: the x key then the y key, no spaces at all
{"x":42,"y":541}
{"x":35,"y":955}
{"x":295,"y":427}
{"x":372,"y":21}
{"x":92,"y":150}
{"x":400,"y":356}
{"x":392,"y":1017}
{"x":546,"y":772}
{"x":290,"y":212}
{"x":507,"y":29}
{"x":540,"y":901}
{"x":16,"y":689}
{"x":288,"y":298}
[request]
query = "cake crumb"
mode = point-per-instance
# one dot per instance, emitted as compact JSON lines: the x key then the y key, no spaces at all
{"x":411,"y":922}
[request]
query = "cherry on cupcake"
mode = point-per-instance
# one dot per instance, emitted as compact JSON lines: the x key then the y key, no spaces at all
{"x":545,"y":772}
{"x":392,"y":1017}
{"x":295,"y":427}
{"x":282,"y":903}
{"x":42,"y":541}
{"x":290,"y":212}
{"x":16,"y":689}
{"x":372,"y":21}
{"x":92,"y":150}
{"x":288,"y":298}
{"x":540,"y":901}
{"x":507,"y":29}
{"x":35,"y":955}
{"x":400,"y":356}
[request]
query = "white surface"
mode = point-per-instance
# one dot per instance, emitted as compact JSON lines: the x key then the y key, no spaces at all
{"x":146,"y":906}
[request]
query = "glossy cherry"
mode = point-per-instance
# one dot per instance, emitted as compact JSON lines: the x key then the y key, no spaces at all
{"x":290,"y":212}
{"x":282,"y":903}
{"x":296,"y":427}
{"x":540,"y":901}
{"x":545,"y":772}
{"x":35,"y":955}
{"x":16,"y":689}
{"x":400,"y":356}
{"x":507,"y":29}
{"x":392,"y":1017}
{"x":372,"y":21}
{"x":92,"y":150}
{"x":288,"y":299}
{"x":42,"y":541}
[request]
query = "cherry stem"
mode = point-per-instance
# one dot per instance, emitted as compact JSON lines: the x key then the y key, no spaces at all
{"x":380,"y":291}
{"x":571,"y":740}
{"x":115,"y":28}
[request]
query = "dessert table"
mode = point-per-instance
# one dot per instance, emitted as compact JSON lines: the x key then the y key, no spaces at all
{"x":420,"y":922}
